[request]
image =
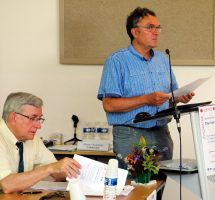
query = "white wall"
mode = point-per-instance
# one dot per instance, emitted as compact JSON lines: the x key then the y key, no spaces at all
{"x":29,"y":61}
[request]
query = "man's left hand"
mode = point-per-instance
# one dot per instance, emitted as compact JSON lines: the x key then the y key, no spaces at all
{"x":185,"y":98}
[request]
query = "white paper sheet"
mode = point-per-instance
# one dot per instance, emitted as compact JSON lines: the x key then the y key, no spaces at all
{"x":189,"y":87}
{"x":93,"y":175}
{"x":63,"y":147}
{"x":49,"y":185}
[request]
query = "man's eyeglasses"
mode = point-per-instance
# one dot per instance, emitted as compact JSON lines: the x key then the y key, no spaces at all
{"x":151,"y":28}
{"x":32,"y":118}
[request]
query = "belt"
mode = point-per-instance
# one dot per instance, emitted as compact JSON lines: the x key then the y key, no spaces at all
{"x":148,"y":129}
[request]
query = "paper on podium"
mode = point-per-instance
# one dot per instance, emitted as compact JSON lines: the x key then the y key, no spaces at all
{"x":93,"y":175}
{"x":189,"y":87}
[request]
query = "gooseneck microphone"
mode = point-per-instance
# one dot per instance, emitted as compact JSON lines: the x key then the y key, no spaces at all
{"x":177,"y":112}
{"x":177,"y":119}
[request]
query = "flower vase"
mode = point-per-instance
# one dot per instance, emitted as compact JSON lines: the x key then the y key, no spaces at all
{"x":144,"y":177}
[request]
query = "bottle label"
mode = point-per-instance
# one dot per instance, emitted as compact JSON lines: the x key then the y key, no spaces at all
{"x":111,"y":181}
{"x":86,"y":130}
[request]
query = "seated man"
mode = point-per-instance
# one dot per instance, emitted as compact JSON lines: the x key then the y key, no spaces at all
{"x":22,"y":116}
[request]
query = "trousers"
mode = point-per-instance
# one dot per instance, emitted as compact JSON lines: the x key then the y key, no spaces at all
{"x":125,"y":137}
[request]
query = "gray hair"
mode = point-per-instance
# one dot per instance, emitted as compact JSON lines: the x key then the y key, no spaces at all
{"x":15,"y":101}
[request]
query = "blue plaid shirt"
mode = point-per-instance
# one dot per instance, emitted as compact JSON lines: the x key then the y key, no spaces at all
{"x":126,"y":74}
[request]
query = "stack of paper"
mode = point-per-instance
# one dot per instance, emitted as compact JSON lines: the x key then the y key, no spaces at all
{"x":93,"y":175}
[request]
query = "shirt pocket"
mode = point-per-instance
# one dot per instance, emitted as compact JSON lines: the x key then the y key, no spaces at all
{"x":162,"y":81}
{"x":138,"y":83}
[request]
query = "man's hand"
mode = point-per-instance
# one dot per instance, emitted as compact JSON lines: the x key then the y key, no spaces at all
{"x":185,"y":98}
{"x":68,"y":166}
{"x":17,"y":182}
{"x":157,"y":98}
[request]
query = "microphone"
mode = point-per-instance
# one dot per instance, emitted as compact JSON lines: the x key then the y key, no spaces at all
{"x":167,"y":52}
{"x":177,"y":119}
{"x":75,"y":120}
{"x":177,"y":112}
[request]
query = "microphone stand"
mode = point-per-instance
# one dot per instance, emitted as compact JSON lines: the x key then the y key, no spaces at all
{"x":177,"y":118}
{"x":74,"y":139}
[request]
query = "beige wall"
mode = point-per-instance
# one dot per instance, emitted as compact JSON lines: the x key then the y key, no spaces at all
{"x":29,"y":61}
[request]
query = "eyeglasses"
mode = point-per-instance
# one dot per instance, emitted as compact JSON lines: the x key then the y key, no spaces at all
{"x":33,"y":119}
{"x":151,"y":28}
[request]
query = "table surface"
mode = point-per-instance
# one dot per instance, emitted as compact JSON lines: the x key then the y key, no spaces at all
{"x":139,"y":192}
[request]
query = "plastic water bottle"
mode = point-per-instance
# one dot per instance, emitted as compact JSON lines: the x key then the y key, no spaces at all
{"x":87,"y":134}
{"x":97,"y":134}
{"x":111,"y":177}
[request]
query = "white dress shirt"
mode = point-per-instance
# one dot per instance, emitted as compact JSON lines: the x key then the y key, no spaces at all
{"x":35,"y":153}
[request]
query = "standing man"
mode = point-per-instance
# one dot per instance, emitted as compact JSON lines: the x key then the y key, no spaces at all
{"x":24,"y":160}
{"x":137,"y":79}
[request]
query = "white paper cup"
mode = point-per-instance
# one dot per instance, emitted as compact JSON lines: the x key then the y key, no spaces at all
{"x":75,"y":190}
{"x":112,"y":168}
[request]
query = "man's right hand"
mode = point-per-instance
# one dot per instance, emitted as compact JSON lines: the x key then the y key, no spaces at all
{"x":68,"y":166}
{"x":156,"y":98}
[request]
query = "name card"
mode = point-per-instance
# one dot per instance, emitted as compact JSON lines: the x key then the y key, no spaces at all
{"x":94,"y":145}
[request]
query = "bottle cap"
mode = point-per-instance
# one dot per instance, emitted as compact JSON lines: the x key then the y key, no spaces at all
{"x":112,"y":168}
{"x":86,"y":130}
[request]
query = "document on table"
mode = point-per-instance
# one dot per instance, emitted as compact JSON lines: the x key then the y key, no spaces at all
{"x":49,"y":185}
{"x":189,"y":87}
{"x":92,"y":176}
{"x":63,"y":148}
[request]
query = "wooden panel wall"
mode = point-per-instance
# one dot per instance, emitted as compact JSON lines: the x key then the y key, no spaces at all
{"x":91,"y":29}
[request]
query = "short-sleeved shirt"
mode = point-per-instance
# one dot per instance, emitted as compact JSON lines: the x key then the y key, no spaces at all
{"x":127,"y":73}
{"x":35,"y":153}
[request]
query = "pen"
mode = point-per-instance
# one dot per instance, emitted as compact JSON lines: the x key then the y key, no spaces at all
{"x":32,"y":192}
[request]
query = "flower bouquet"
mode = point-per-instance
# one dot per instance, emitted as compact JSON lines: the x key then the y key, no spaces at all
{"x":142,"y":162}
